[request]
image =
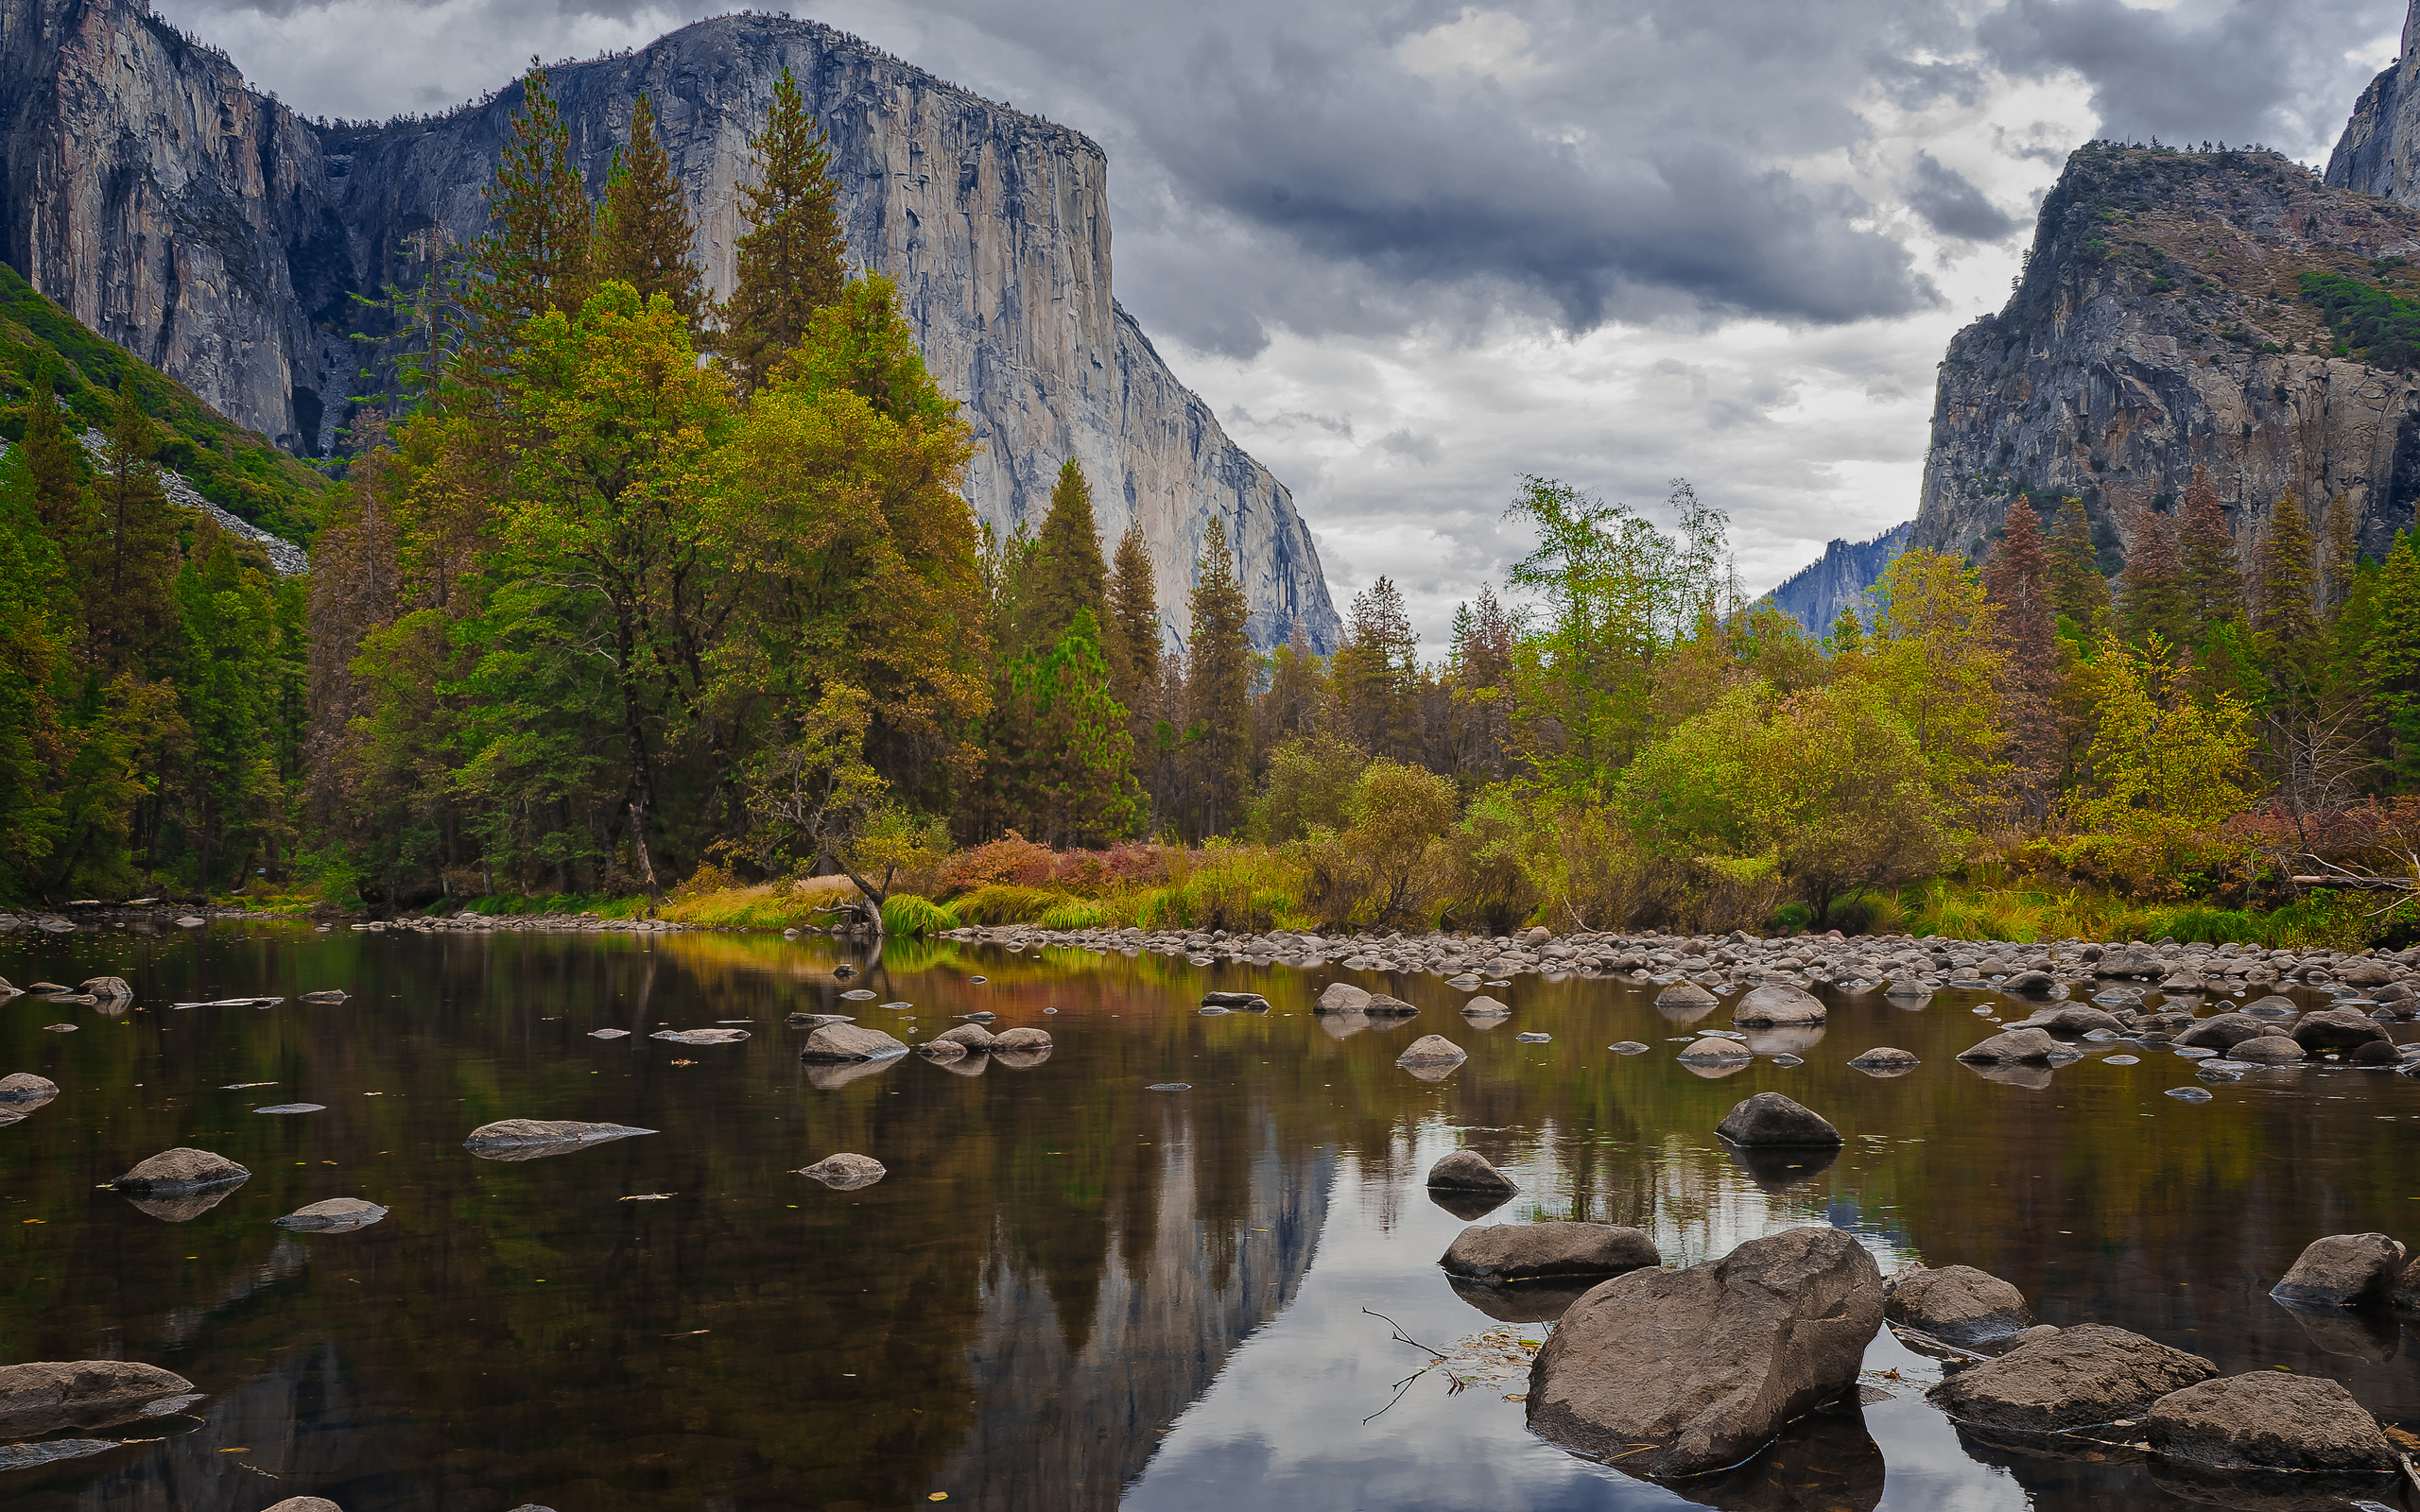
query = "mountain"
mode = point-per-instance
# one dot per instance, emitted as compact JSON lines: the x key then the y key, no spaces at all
{"x":2182,"y":309}
{"x":222,"y":238}
{"x":252,"y":489}
{"x":1816,"y":593}
{"x":2380,"y":152}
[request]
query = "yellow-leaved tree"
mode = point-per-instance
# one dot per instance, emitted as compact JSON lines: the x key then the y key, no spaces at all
{"x":2164,"y":769}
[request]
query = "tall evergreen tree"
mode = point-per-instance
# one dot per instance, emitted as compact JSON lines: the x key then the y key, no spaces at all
{"x":1132,"y":631}
{"x":1376,"y":673}
{"x":1218,"y":687}
{"x":2078,"y":593}
{"x":50,"y":458}
{"x":1069,"y":576}
{"x":2342,"y":523}
{"x":2153,"y":585}
{"x":2283,"y":615}
{"x":1297,"y":700}
{"x":1077,"y":786}
{"x":643,"y":231}
{"x":2213,"y":581}
{"x":2017,"y":578}
{"x":129,"y":559}
{"x":538,"y":256}
{"x":792,"y":257}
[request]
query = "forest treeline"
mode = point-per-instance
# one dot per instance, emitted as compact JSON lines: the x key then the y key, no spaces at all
{"x":638,"y":589}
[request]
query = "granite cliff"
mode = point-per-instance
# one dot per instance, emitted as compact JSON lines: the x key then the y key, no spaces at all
{"x":2162,"y":324}
{"x":222,"y":238}
{"x":1815,"y":594}
{"x":2380,"y":152}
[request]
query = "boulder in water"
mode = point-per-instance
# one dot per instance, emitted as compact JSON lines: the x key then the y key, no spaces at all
{"x":1431,"y":1050}
{"x":1469,"y":1171}
{"x":325,"y":997}
{"x":845,"y":1172}
{"x":2270,"y":1419}
{"x":531,"y":1139}
{"x":1771,"y":1120}
{"x":1886,"y":1061}
{"x":1958,"y":1304}
{"x":2267,"y":1049}
{"x":700,"y":1037}
{"x":2341,"y":1270}
{"x":336,"y":1215}
{"x":1484,"y":1008}
{"x":43,"y":1397}
{"x":107,"y":989}
{"x":2225,"y":1031}
{"x":1691,"y":1371}
{"x":2011,"y":1046}
{"x":1710,"y":1051}
{"x":2337,"y":1029}
{"x":23,"y":1087}
{"x":1342,"y":997}
{"x":180,"y":1169}
{"x":1020,"y":1041}
{"x":1779,"y":1003}
{"x":1540,"y":1251}
{"x":2079,"y":1376}
{"x":841,"y":1042}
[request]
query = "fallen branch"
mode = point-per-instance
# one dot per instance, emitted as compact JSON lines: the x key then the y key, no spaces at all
{"x":1920,"y":1336}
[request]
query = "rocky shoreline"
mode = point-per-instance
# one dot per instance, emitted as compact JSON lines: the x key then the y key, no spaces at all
{"x":1897,"y":965}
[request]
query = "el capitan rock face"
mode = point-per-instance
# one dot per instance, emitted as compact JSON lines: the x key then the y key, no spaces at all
{"x":221,"y":238}
{"x":2160,"y":326}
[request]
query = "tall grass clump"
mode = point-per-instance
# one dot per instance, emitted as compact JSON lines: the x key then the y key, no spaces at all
{"x":906,"y":915}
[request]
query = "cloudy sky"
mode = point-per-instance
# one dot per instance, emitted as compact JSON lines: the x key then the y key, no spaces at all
{"x":1412,"y":251}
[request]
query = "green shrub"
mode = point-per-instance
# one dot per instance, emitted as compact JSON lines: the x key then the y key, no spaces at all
{"x":906,"y":914}
{"x":1076,"y":913}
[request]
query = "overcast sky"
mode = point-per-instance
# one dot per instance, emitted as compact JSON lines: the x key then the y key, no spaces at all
{"x":1410,"y":251}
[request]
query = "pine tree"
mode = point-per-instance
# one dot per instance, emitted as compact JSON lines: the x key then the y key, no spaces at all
{"x":51,"y":456}
{"x":129,"y":559}
{"x":2078,"y":593}
{"x":1375,"y":673}
{"x":1132,"y":631}
{"x":2343,"y":525}
{"x":792,"y":259}
{"x":1218,"y":687}
{"x":2154,"y":586}
{"x":1069,"y":576}
{"x":2213,"y":581}
{"x":2283,"y":617}
{"x":2017,"y":578}
{"x":1296,"y":702}
{"x":538,"y":256}
{"x":1080,"y":789}
{"x":643,"y":231}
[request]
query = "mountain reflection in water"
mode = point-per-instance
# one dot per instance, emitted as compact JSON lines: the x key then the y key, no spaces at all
{"x":1070,"y":1291}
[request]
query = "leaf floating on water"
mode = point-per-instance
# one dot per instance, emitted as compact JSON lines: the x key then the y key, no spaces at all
{"x":1169,"y":1087}
{"x":647,"y":1196}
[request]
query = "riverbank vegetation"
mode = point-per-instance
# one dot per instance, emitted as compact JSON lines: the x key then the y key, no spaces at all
{"x":642,"y":601}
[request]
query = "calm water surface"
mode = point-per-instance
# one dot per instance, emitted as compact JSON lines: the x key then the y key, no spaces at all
{"x":1071,"y":1292}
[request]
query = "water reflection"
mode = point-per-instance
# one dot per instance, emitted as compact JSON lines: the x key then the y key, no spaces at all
{"x":1070,"y":1290}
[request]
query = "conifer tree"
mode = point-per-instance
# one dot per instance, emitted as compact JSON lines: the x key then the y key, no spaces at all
{"x":1218,"y":687}
{"x":2213,"y":581}
{"x":2017,"y":578}
{"x":1078,"y":789}
{"x":2078,"y":593}
{"x":1133,"y":629}
{"x":1297,"y":700}
{"x":643,"y":231}
{"x":538,"y":256}
{"x":51,"y":456}
{"x":1375,"y":673}
{"x":2283,"y":617}
{"x":792,"y":257}
{"x":1069,"y":576}
{"x":129,"y":560}
{"x":2343,"y":525}
{"x":2153,"y":585}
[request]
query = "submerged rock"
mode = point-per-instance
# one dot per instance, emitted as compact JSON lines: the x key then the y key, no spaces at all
{"x":837,"y":1043}
{"x":1692,"y":1370}
{"x":1538,"y":1301}
{"x":2012,"y":1046}
{"x":1957,"y":1304}
{"x":22,"y":1089}
{"x":1629,"y":1047}
{"x":336,"y":1215}
{"x":2341,"y":1270}
{"x":43,"y":1397}
{"x":845,"y":1172}
{"x":2270,"y":1419}
{"x":323,"y":997}
{"x":1710,"y":1051}
{"x":531,"y":1139}
{"x":1537,"y":1251}
{"x":1252,"y":1002}
{"x":2079,"y":1376}
{"x":1771,"y":1120}
{"x":700,"y":1037}
{"x":180,"y":1169}
{"x":1886,"y":1061}
{"x":1469,"y":1171}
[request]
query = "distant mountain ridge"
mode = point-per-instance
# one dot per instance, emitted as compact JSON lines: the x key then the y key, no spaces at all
{"x":223,"y":238}
{"x":1816,"y":593}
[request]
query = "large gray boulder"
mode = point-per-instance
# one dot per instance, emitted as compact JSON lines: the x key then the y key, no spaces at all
{"x":107,"y":989}
{"x":972,"y":1037}
{"x":2341,"y":1270}
{"x":1020,"y":1041}
{"x":1769,"y":1118}
{"x":2074,"y":1019}
{"x":2030,"y":984}
{"x":44,"y":1396}
{"x":2130,"y":960}
{"x":2012,"y":1047}
{"x":1957,"y":1304}
{"x":1342,"y":997}
{"x":838,"y":1043}
{"x":2225,"y":1031}
{"x":1468,"y":1171}
{"x":2086,"y":1374}
{"x":1684,"y":1000}
{"x":2268,"y":1050}
{"x":2270,"y":1419}
{"x":180,"y":1169}
{"x":1704,"y":1365}
{"x":1778,"y":1002}
{"x":21,"y":1088}
{"x":1431,"y":1052}
{"x":2336,"y":1030}
{"x":1538,"y":1251}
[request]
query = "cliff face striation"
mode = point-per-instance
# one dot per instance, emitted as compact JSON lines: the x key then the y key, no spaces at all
{"x":2162,"y":324}
{"x":220,"y":236}
{"x":2380,"y":152}
{"x":1815,"y":594}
